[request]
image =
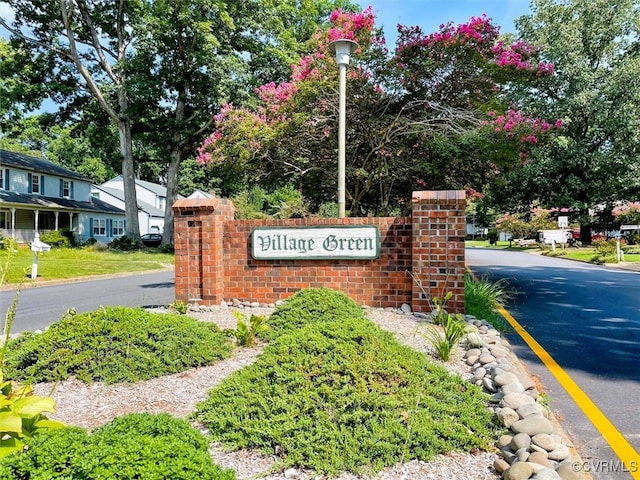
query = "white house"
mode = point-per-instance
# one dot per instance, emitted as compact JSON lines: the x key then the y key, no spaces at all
{"x":39,"y":196}
{"x":151,"y":197}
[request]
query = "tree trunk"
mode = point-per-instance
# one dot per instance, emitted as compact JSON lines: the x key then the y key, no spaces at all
{"x":132,"y":229}
{"x":172,"y":193}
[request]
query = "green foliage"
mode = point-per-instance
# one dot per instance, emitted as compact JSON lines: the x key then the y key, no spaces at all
{"x":115,"y":344}
{"x":439,"y":314}
{"x":446,"y":339}
{"x":633,"y":238}
{"x":247,"y":332}
{"x":179,"y":306}
{"x":124,"y":244}
{"x":492,"y":236}
{"x":141,"y":446}
{"x":311,"y":305}
{"x":283,"y":202}
{"x":482,"y":298}
{"x":343,"y":395}
{"x":56,"y":239}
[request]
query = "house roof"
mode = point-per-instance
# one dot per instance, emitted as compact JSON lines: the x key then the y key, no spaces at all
{"x":37,"y":201}
{"x":119,"y":194}
{"x":156,"y":188}
{"x":35,"y":164}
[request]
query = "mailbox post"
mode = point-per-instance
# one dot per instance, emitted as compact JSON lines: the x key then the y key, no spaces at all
{"x":36,"y":247}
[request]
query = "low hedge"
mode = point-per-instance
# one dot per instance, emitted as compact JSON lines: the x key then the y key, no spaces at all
{"x":309,"y":306}
{"x":115,"y":344}
{"x":141,"y":446}
{"x":344,"y":395}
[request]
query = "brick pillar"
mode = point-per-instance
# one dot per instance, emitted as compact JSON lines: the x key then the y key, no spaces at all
{"x":198,"y":241}
{"x":438,"y":264}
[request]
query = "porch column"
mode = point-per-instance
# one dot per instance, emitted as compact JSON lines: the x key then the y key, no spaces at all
{"x":56,"y":213}
{"x":13,"y":223}
{"x":37,"y":214}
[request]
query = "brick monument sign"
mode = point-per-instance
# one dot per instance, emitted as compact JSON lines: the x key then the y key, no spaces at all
{"x":377,"y":261}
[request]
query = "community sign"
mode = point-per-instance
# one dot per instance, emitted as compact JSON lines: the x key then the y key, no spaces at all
{"x":357,"y":242}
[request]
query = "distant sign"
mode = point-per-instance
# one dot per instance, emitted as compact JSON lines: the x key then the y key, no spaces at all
{"x":315,"y":243}
{"x":563,"y":222}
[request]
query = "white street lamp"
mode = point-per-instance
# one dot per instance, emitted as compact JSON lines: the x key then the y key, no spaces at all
{"x":343,"y":49}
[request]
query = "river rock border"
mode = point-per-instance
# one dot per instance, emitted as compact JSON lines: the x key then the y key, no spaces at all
{"x":536,"y":447}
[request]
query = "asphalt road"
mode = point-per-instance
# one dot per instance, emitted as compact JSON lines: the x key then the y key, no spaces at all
{"x":41,"y":306}
{"x":588,"y":319}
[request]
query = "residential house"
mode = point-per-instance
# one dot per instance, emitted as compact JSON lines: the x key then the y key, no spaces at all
{"x":39,"y":196}
{"x":151,"y":197}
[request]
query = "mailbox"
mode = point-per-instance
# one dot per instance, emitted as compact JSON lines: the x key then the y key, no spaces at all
{"x":36,"y":247}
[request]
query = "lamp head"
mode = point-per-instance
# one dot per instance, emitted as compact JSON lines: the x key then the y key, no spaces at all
{"x":343,"y":49}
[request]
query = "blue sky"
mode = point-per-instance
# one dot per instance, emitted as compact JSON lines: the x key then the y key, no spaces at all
{"x":430,"y":14}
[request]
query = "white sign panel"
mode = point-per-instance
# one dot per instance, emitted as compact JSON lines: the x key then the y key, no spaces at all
{"x":315,"y":243}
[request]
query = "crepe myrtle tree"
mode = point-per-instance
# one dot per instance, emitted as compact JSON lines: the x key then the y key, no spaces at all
{"x":431,"y":114}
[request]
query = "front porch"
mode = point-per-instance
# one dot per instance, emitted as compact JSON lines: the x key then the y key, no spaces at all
{"x":22,"y":224}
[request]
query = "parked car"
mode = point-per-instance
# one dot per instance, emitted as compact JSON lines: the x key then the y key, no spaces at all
{"x":151,"y":239}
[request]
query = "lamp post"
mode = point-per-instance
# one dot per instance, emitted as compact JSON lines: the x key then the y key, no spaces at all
{"x":343,"y":49}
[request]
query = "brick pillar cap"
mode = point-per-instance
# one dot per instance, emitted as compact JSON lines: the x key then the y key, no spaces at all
{"x":200,"y":203}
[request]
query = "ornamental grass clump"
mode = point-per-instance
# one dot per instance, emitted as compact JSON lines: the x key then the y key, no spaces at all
{"x":344,"y":395}
{"x":116,"y":344}
{"x":140,"y":445}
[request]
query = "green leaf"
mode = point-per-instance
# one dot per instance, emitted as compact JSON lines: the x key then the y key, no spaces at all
{"x":34,"y":405}
{"x":10,"y":422}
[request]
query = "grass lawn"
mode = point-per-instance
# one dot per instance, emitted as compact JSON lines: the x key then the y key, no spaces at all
{"x":69,"y":263}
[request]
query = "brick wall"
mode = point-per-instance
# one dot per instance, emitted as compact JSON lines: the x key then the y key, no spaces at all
{"x":420,"y":256}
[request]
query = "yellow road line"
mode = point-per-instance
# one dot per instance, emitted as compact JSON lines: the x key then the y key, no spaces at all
{"x":614,"y":438}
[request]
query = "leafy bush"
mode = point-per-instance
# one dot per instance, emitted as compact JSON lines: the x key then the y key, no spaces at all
{"x":56,"y":239}
{"x":248,"y":331}
{"x":344,"y":395}
{"x":311,"y":305}
{"x":124,"y":244}
{"x":142,"y":446}
{"x":633,"y":238}
{"x":493,"y":236}
{"x":115,"y":344}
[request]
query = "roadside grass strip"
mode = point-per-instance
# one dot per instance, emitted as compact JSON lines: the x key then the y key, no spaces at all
{"x":344,"y":395}
{"x":622,"y":448}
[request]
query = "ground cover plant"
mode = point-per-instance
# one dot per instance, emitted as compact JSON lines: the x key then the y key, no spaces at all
{"x":141,"y":446}
{"x":308,"y":306}
{"x":344,"y":395}
{"x":115,"y":344}
{"x":73,"y":262}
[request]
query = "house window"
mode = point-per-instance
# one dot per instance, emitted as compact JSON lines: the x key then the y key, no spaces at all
{"x":35,"y":184}
{"x":66,"y":189}
{"x":1,"y":179}
{"x":161,"y":203}
{"x":118,"y":228}
{"x":99,"y":227}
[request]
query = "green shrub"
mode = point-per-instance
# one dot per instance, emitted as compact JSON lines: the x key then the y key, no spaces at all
{"x":124,"y":244}
{"x":56,"y":239}
{"x":116,"y":344}
{"x":344,"y":395}
{"x":311,"y":305}
{"x":141,"y":446}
